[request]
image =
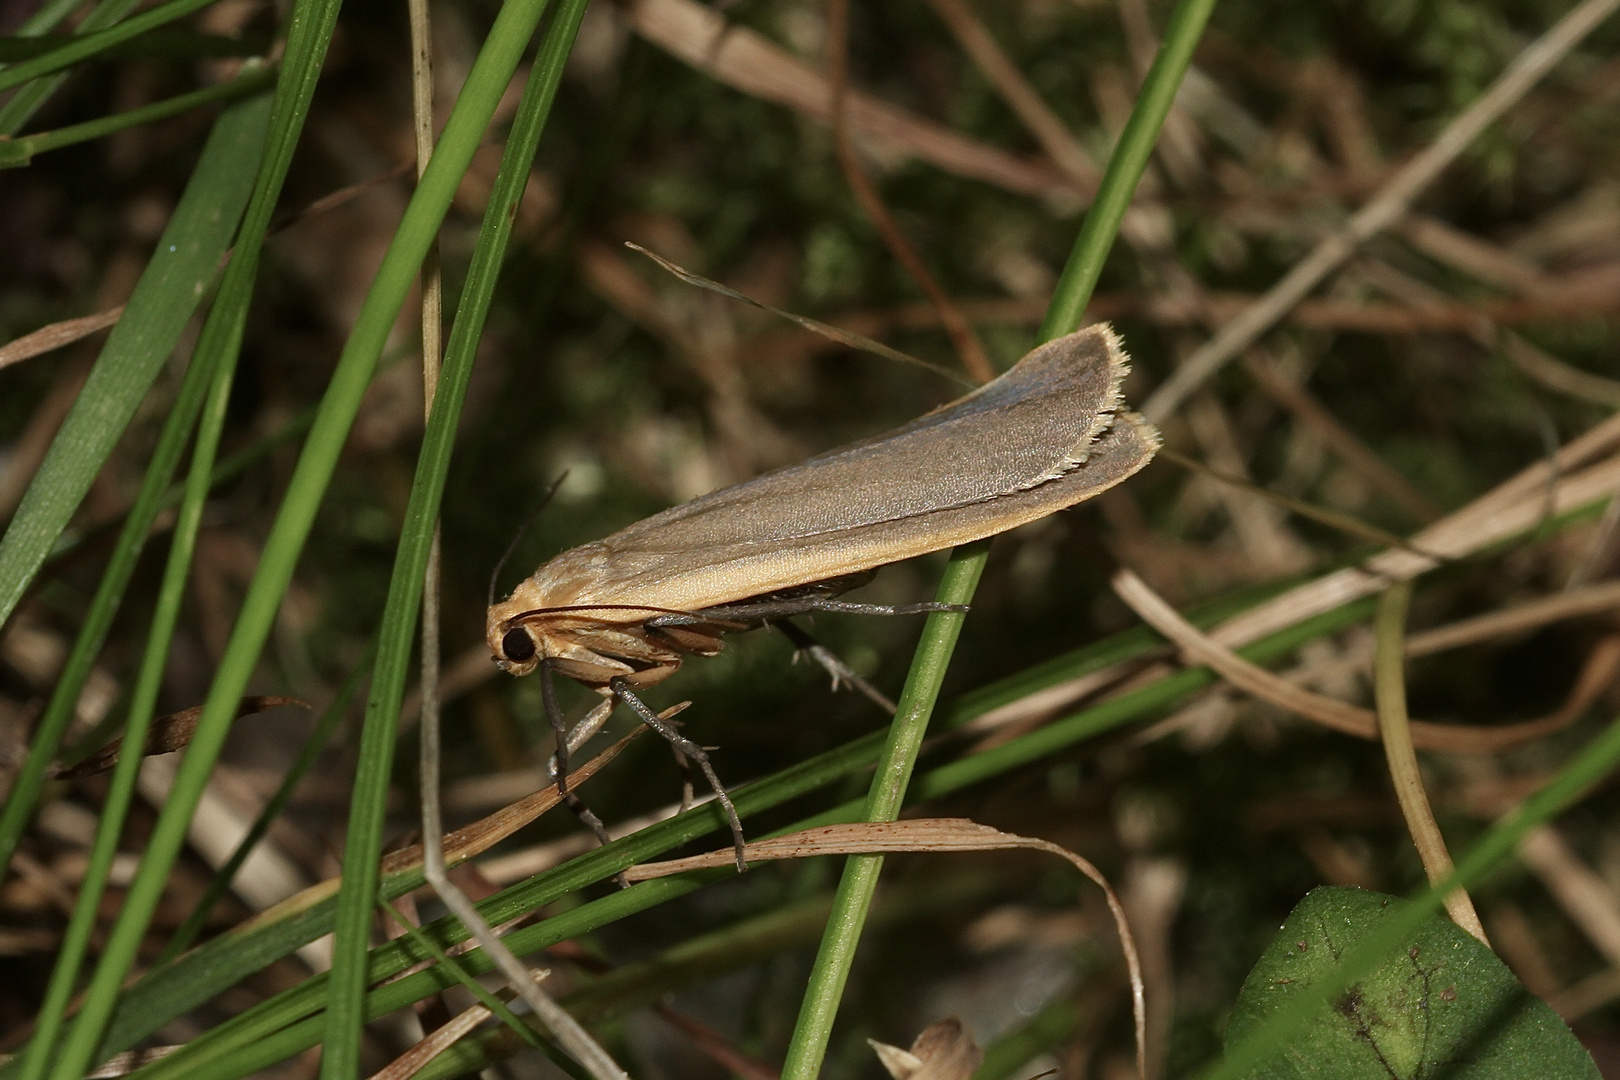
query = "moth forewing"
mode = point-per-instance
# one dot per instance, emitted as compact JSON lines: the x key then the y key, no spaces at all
{"x":619,"y":613}
{"x":1016,"y":449}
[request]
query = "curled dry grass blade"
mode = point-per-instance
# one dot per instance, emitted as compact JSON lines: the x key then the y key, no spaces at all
{"x":918,"y":834}
{"x":1395,"y":731}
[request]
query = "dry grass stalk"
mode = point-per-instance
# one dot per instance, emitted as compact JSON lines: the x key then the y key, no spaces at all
{"x":475,"y":839}
{"x":56,"y":335}
{"x":1516,"y":620}
{"x":1385,"y":208}
{"x":1543,"y":490}
{"x":751,"y":63}
{"x":441,"y":1039}
{"x":1340,"y":716}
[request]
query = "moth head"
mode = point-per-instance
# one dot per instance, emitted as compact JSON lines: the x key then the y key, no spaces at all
{"x":580,"y":644}
{"x":515,"y":648}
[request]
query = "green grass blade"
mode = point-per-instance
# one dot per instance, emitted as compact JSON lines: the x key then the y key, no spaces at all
{"x":195,"y":978}
{"x":25,"y":102}
{"x":1125,"y":166}
{"x":398,"y":628}
{"x":20,"y":151}
{"x":149,"y":680}
{"x":180,"y":270}
{"x":309,"y":33}
{"x":81,"y":47}
{"x":187,"y":256}
{"x":220,"y":883}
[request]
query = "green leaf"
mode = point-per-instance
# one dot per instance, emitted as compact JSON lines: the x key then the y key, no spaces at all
{"x":1439,"y":1005}
{"x":185,"y":262}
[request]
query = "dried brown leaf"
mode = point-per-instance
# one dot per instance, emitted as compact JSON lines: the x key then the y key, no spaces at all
{"x":944,"y":1051}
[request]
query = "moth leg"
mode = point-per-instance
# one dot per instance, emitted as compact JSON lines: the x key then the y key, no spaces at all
{"x":693,"y":751}
{"x":558,"y":766}
{"x":594,"y":721}
{"x":684,"y":764}
{"x":841,"y":672}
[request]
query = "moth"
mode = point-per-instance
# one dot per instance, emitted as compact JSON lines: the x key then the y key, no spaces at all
{"x":622,"y":613}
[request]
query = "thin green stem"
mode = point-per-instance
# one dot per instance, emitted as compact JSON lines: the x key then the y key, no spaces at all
{"x":853,"y":900}
{"x":831,"y":969}
{"x":482,"y":91}
{"x":1125,"y":168}
{"x":1395,"y":731}
{"x":20,"y":151}
{"x":220,"y":883}
{"x":81,"y":47}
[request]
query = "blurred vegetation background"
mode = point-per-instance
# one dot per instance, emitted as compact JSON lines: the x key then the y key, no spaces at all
{"x":1466,"y":343}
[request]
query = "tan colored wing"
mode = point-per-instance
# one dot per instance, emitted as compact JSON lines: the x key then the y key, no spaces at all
{"x":1046,"y":435}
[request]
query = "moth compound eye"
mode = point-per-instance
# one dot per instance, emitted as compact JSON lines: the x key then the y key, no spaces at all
{"x":518,"y":645}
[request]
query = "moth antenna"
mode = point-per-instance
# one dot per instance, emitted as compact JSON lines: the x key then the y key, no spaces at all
{"x":522,"y":529}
